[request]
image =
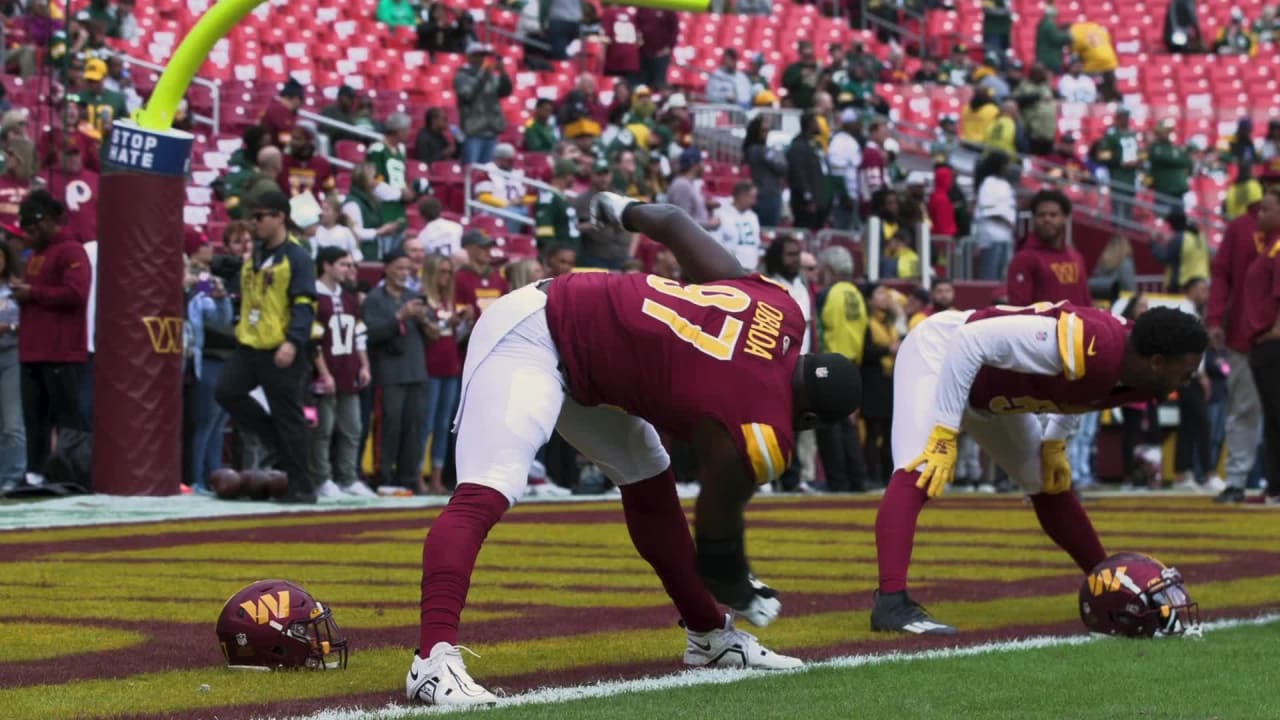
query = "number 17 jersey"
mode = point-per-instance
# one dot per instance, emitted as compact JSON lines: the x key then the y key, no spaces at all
{"x":675,"y":354}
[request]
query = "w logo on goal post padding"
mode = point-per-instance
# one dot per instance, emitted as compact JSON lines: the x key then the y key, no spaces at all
{"x":165,"y":334}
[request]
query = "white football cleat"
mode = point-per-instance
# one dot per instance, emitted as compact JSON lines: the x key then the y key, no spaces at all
{"x":731,"y":647}
{"x":442,"y":679}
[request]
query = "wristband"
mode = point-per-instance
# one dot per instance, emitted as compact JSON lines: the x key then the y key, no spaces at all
{"x":623,"y":217}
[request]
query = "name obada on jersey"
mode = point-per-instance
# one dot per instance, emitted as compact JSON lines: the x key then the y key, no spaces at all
{"x":762,"y":336}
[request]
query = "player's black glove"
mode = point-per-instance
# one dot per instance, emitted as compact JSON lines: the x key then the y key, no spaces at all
{"x":724,"y":568}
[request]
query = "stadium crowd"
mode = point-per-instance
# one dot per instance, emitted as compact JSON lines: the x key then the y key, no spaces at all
{"x":398,"y":275}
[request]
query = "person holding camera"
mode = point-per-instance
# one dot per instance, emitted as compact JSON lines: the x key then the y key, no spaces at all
{"x":396,"y":319}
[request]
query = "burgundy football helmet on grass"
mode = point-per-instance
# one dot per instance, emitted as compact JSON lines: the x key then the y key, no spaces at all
{"x":1134,"y":595}
{"x":276,"y":625}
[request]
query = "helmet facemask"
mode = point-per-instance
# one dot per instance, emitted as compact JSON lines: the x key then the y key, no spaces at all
{"x":327,"y":646}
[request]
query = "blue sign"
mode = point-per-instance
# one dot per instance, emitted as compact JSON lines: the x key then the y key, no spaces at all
{"x":136,"y":149}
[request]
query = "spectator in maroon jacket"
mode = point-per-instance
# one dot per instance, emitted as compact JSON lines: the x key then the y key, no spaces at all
{"x":1047,"y":269}
{"x":52,"y":341}
{"x":282,"y":114}
{"x":658,"y":32}
{"x":1262,"y":283}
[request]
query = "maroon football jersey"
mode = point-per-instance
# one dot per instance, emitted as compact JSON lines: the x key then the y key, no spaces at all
{"x":477,"y":291}
{"x":11,"y":193}
{"x":79,"y":193}
{"x":674,"y":354}
{"x":344,"y":336}
{"x":622,"y":54}
{"x":1091,"y":344}
{"x":278,"y":121}
{"x":314,"y":174}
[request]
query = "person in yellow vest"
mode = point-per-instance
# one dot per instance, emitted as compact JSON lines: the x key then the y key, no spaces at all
{"x":977,"y":116}
{"x":1184,"y":252}
{"x":1091,"y":42}
{"x":277,"y":308}
{"x":842,"y":324}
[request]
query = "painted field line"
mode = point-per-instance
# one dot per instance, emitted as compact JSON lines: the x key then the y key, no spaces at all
{"x":693,"y":678}
{"x":86,"y":510}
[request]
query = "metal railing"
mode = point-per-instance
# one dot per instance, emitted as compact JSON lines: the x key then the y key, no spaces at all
{"x":215,"y":120}
{"x":322,"y":142}
{"x":472,"y":203}
{"x":872,"y":21}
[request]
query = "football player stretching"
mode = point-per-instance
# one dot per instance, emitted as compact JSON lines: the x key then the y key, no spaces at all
{"x":608,"y":361}
{"x":1015,"y":380}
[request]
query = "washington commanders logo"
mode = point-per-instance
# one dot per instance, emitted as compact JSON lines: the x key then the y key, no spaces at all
{"x":269,"y":607}
{"x":1106,"y":580}
{"x":165,"y":334}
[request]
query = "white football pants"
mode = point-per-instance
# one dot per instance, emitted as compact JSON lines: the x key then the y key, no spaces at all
{"x":1012,"y":441}
{"x":513,"y":396}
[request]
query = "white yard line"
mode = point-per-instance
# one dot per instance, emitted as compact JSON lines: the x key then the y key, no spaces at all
{"x":692,"y":678}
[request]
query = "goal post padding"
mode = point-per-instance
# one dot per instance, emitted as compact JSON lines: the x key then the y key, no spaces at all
{"x":138,"y":366}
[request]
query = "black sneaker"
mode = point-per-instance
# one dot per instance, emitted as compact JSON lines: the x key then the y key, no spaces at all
{"x":895,"y":612}
{"x":1230,"y":495}
{"x":297,"y":498}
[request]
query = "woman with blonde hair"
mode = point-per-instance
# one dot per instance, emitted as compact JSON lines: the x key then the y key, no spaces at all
{"x":524,"y":272}
{"x":1115,"y":272}
{"x":445,"y":325}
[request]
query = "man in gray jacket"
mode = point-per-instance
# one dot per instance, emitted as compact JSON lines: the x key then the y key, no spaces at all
{"x":481,"y":84}
{"x":394,"y":316}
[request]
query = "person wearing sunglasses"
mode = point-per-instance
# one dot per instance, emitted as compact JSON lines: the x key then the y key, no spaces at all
{"x":277,"y":307}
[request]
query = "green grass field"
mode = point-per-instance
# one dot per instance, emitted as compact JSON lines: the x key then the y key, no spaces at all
{"x":116,"y":621}
{"x":1226,"y":675}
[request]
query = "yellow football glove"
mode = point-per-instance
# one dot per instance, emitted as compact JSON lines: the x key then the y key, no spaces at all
{"x":939,"y":460}
{"x":1055,"y":471}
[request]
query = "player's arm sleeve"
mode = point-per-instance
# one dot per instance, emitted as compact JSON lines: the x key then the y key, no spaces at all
{"x":1022,"y":343}
{"x":761,"y":452}
{"x":302,"y":295}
